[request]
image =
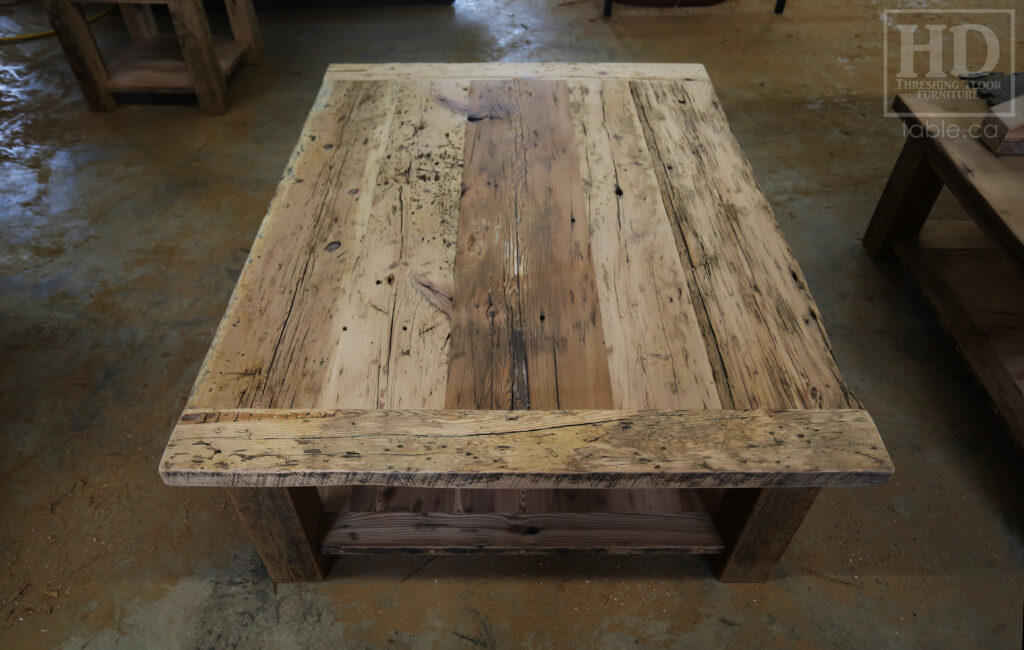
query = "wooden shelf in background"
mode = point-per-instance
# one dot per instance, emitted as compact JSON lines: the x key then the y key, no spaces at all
{"x":978,"y":293}
{"x":157,"y":65}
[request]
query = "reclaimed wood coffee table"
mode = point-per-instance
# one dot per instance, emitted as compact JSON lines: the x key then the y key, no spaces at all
{"x":521,"y":308}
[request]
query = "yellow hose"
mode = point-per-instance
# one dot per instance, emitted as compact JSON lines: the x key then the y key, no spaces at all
{"x":29,"y":37}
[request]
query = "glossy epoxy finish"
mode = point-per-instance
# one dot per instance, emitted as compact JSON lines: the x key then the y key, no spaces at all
{"x":123,"y":234}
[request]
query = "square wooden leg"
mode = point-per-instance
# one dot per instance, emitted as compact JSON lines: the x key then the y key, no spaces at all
{"x":757,"y":526}
{"x":907,"y":199}
{"x":193,"y":31}
{"x":72,"y":30}
{"x":284,"y":524}
{"x":245,"y":28}
{"x":140,"y":21}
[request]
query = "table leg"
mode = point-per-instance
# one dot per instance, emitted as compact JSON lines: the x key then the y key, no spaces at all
{"x":245,"y":29}
{"x":907,"y":199}
{"x":193,"y":32}
{"x":140,"y":21}
{"x":757,"y":526}
{"x":68,"y":22}
{"x":284,"y":524}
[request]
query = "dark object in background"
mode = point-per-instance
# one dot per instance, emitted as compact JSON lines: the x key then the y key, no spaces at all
{"x":780,"y":5}
{"x":996,"y":87}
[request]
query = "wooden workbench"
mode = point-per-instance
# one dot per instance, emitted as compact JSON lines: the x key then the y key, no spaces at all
{"x":521,"y":308}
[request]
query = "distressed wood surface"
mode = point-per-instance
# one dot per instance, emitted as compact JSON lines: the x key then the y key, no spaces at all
{"x":551,"y":71}
{"x":527,"y":449}
{"x":526,"y":325}
{"x":432,"y":520}
{"x":541,"y":236}
{"x":442,"y":533}
{"x":656,"y":354}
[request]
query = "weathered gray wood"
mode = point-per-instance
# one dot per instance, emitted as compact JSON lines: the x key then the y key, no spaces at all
{"x":526,"y":449}
{"x":284,"y":525}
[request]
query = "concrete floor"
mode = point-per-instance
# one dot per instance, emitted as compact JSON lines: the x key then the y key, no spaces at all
{"x":123,"y":234}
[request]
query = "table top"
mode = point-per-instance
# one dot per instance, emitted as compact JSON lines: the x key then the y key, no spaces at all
{"x":515,"y":236}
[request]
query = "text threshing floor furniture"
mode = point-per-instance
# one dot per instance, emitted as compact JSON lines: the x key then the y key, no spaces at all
{"x":521,"y":308}
{"x":971,"y":269}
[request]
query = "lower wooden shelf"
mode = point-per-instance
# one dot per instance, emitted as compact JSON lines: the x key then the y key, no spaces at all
{"x":978,"y":293}
{"x":446,"y":521}
{"x":157,"y":65}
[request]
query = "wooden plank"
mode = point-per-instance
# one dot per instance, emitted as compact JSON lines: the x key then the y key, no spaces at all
{"x":393,"y":321}
{"x":552,"y":71}
{"x":976,"y":292}
{"x":757,"y":526}
{"x":193,"y":32}
{"x":157,"y":65}
{"x":762,"y":322}
{"x":139,"y":20}
{"x":526,"y":449}
{"x":987,"y":186}
{"x":765,"y":339}
{"x":73,"y":33}
{"x":245,"y":29}
{"x":656,"y":354}
{"x":365,"y":498}
{"x":909,"y":195}
{"x":526,"y":325}
{"x":276,"y":344}
{"x":284,"y":526}
{"x":440,"y":533}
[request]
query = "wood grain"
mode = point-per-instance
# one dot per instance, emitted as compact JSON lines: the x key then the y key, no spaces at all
{"x":284,"y":525}
{"x":392,"y":319}
{"x":441,"y":533}
{"x":761,"y":322}
{"x":533,"y":71}
{"x":275,"y":345}
{"x":656,"y":355}
{"x":526,"y":323}
{"x":526,"y":449}
{"x":765,"y":339}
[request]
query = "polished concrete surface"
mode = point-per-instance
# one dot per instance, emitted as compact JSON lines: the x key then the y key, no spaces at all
{"x":122,"y":234}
